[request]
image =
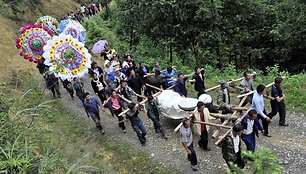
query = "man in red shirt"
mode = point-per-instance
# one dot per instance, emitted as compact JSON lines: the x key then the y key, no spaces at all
{"x":203,"y":142}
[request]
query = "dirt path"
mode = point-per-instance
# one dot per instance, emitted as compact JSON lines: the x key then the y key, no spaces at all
{"x":289,"y":143}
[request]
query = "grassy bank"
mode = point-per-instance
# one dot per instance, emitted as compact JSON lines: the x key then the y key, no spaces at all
{"x":39,"y":135}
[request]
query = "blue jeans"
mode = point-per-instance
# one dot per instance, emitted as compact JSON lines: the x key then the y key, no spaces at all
{"x":141,"y":132}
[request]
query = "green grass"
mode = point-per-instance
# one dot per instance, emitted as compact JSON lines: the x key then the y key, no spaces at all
{"x":57,"y":141}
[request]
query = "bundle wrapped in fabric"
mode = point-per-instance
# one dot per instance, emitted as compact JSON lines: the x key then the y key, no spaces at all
{"x":174,"y":106}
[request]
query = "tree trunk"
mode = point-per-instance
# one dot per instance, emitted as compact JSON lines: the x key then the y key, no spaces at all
{"x":170,"y":49}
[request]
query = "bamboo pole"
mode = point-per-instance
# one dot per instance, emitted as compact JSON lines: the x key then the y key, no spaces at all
{"x":235,"y":80}
{"x":226,"y":117}
{"x":252,"y":92}
{"x":154,"y":87}
{"x":234,"y":114}
{"x":144,"y":101}
{"x":212,"y":124}
{"x":229,"y":131}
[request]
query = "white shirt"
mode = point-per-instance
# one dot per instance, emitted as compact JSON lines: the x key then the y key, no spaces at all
{"x":258,"y":104}
{"x":186,"y":135}
{"x":236,"y":141}
{"x":250,"y":127}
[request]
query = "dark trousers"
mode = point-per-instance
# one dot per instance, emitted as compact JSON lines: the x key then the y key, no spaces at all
{"x":71,"y":92}
{"x":203,"y":142}
{"x":120,"y":118}
{"x":281,"y":109}
{"x":55,"y":88}
{"x":250,"y":141}
{"x":96,"y":118}
{"x":102,"y":96}
{"x":141,"y":132}
{"x":200,"y":92}
{"x":239,"y":161}
{"x":193,"y":156}
{"x":265,"y":123}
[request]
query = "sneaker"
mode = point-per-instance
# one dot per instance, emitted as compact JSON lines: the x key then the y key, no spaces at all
{"x":124,"y":131}
{"x":102,"y":132}
{"x":194,"y":167}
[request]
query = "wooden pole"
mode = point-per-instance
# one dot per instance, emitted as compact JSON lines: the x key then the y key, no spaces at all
{"x":215,"y":87}
{"x":234,"y":114}
{"x":226,"y":117}
{"x":229,"y":131}
{"x":154,"y":87}
{"x":212,"y":124}
{"x":144,"y":101}
{"x":252,"y":92}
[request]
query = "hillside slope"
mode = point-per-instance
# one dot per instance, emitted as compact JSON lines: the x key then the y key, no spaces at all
{"x":10,"y":58}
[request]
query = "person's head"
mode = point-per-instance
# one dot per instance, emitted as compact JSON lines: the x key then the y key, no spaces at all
{"x":278,"y":81}
{"x":247,"y":75}
{"x":109,"y":82}
{"x":200,"y":106}
{"x":252,"y":114}
{"x":169,"y":69}
{"x":113,"y":94}
{"x":115,"y":57}
{"x":132,"y":107}
{"x":107,"y":63}
{"x":123,"y":83}
{"x":156,"y":64}
{"x":260,"y":88}
{"x":186,"y":122}
{"x":157,"y":72}
{"x":117,"y":71}
{"x":197,"y":70}
{"x":150,"y":98}
{"x":131,"y":64}
{"x":223,"y":84}
{"x":94,"y":76}
{"x":132,"y":72}
{"x":237,"y":130}
{"x":142,"y":64}
{"x":180,"y":77}
{"x":75,"y":79}
{"x":87,"y":96}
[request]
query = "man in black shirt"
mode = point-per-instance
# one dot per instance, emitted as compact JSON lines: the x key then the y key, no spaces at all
{"x":278,"y":104}
{"x":198,"y":80}
{"x":136,"y":122}
{"x":135,"y":83}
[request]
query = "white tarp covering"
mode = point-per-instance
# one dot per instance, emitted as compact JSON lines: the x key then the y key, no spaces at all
{"x":169,"y":101}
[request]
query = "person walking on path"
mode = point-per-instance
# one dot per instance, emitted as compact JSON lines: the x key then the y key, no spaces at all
{"x":250,"y":125}
{"x":259,"y":105}
{"x":231,"y":148}
{"x":137,"y":124}
{"x":91,"y":105}
{"x":98,"y":86}
{"x":198,"y":80}
{"x":153,"y":112}
{"x":115,"y":106}
{"x":278,"y":104}
{"x":79,"y":88}
{"x":68,"y":86}
{"x":187,"y":142}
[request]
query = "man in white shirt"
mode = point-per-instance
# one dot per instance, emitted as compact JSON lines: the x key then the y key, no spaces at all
{"x":259,"y":105}
{"x":187,"y":142}
{"x":231,"y":148}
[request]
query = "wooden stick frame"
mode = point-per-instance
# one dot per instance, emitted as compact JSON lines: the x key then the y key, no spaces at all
{"x":212,"y":124}
{"x":252,"y":92}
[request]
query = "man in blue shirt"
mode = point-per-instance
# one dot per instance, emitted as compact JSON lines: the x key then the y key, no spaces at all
{"x":180,"y":85}
{"x":259,"y":105}
{"x":278,"y":104}
{"x":92,"y":105}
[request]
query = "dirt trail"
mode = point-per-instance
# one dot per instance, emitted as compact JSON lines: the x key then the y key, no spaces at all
{"x":287,"y":142}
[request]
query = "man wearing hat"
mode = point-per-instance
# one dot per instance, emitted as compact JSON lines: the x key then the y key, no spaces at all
{"x":223,"y":98}
{"x":278,"y":105}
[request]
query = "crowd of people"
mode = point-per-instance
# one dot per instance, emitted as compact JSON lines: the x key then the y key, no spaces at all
{"x":86,"y":11}
{"x":124,"y":85}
